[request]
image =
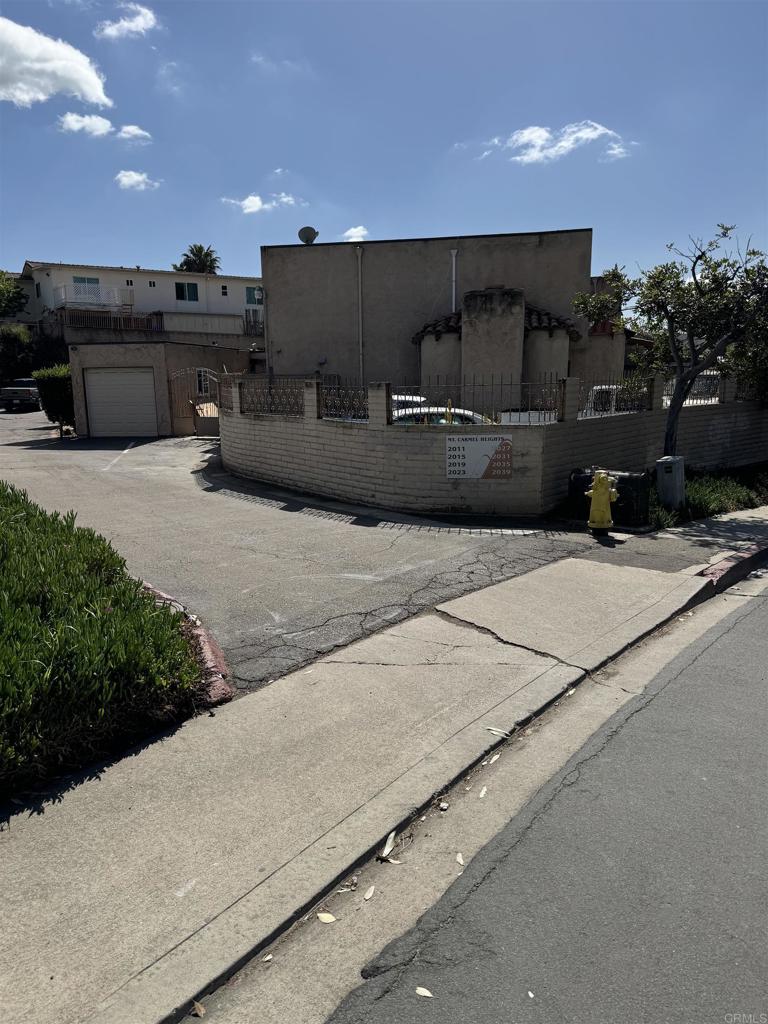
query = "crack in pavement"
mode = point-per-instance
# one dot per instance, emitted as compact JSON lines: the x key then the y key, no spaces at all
{"x":270,"y":654}
{"x":389,"y":967}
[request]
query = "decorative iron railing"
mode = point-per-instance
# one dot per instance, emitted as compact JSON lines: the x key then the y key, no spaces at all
{"x":262,"y":397}
{"x":343,"y":402}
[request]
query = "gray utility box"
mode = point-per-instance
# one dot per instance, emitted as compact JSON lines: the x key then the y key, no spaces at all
{"x":670,"y":481}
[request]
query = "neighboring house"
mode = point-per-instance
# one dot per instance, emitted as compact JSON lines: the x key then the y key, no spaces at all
{"x":129,"y":330}
{"x":354,"y":308}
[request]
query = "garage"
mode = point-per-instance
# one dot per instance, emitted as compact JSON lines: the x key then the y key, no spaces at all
{"x":121,"y":402}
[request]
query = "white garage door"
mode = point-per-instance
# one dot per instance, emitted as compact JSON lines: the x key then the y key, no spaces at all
{"x":121,"y":402}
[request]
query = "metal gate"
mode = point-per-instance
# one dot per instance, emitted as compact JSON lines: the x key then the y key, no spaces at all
{"x":194,"y":394}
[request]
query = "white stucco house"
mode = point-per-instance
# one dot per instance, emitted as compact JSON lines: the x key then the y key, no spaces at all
{"x":131,"y":330}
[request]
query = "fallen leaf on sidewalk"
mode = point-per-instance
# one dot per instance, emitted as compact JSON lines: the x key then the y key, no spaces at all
{"x":198,"y":1010}
{"x":496,"y":732}
{"x":459,"y":859}
{"x":267,"y":958}
{"x":325,"y":917}
{"x":530,"y":994}
{"x":391,"y":860}
{"x":369,"y":892}
{"x":483,"y":791}
{"x":494,"y":759}
{"x":389,"y":845}
{"x":424,"y":992}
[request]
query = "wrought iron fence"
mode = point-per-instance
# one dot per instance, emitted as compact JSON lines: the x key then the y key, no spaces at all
{"x":613,"y":396}
{"x":343,"y":402}
{"x":477,"y":400}
{"x":105,"y":320}
{"x":704,"y":391}
{"x":275,"y":397}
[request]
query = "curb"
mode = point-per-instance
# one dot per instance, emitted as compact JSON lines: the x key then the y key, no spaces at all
{"x":725,"y":573}
{"x":215,"y":668}
{"x":163,"y":993}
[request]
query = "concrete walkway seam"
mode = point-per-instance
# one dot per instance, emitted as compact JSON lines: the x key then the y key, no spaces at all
{"x":162,"y":993}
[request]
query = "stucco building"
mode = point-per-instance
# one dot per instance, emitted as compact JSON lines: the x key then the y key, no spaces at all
{"x":502,"y":304}
{"x":130,"y":329}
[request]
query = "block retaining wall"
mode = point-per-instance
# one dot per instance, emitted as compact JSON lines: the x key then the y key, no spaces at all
{"x":404,"y":467}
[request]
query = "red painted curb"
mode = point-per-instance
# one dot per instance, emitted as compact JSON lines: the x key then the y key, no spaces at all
{"x":730,"y":570}
{"x":215,"y":668}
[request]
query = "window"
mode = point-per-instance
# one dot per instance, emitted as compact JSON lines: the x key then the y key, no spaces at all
{"x":151,"y":284}
{"x":203,"y":382}
{"x":224,"y":289}
{"x":86,"y":287}
{"x":186,"y":291}
{"x":37,"y":289}
{"x":129,"y":282}
{"x":254,"y":296}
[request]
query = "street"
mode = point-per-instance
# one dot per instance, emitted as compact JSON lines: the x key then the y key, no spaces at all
{"x":632,"y":887}
{"x":278,"y":578}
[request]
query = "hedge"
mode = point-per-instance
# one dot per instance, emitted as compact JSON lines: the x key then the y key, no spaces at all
{"x":54,"y":385}
{"x":88,"y":660}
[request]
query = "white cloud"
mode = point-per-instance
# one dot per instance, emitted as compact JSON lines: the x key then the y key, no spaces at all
{"x":139,"y":181}
{"x":90,"y":124}
{"x":615,"y":151}
{"x":538,"y":145}
{"x":279,"y":171}
{"x":139,"y":21}
{"x":277,"y":67}
{"x":255,"y":204}
{"x":358,"y":234}
{"x":34,"y":67}
{"x":132,"y":133}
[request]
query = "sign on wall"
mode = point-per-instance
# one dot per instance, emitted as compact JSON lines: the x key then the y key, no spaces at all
{"x":479,"y":456}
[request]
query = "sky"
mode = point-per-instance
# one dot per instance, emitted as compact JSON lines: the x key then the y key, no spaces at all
{"x":131,"y":130}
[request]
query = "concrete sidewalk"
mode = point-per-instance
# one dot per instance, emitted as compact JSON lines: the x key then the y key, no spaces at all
{"x":151,"y":880}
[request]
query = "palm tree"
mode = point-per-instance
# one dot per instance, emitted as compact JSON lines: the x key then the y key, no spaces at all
{"x":199,"y":259}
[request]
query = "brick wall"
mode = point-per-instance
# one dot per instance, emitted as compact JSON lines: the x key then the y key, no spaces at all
{"x":710,"y":437}
{"x":404,"y":467}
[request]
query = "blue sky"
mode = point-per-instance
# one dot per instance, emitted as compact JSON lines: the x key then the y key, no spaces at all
{"x":646,"y":121}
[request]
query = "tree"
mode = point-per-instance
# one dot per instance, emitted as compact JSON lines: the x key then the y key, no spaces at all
{"x":54,"y":385}
{"x":13,"y":299}
{"x":199,"y":259}
{"x":702,"y":310}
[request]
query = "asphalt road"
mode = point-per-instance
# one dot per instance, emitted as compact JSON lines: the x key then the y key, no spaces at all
{"x":632,"y":888}
{"x":279,"y":578}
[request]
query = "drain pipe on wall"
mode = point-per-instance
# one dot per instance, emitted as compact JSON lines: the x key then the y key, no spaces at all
{"x":454,"y":253}
{"x":359,"y":250}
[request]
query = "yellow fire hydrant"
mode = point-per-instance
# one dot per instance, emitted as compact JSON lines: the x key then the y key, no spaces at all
{"x":602,"y":494}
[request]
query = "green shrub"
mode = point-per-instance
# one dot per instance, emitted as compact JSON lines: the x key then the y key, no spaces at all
{"x":87,"y":658}
{"x":54,"y":384}
{"x":713,"y":495}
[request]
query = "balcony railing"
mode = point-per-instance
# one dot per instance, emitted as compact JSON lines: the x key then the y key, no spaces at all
{"x":109,"y":320}
{"x":91,"y":296}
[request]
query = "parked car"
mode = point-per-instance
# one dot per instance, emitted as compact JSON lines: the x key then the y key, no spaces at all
{"x":438,"y":416}
{"x":21,"y":393}
{"x":407,"y":401}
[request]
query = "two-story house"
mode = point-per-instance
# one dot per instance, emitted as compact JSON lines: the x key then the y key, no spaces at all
{"x":130,"y":329}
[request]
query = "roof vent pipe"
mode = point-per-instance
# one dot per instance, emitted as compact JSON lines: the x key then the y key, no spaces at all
{"x":454,"y":253}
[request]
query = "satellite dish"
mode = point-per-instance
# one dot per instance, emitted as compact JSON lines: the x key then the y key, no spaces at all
{"x":307,"y":235}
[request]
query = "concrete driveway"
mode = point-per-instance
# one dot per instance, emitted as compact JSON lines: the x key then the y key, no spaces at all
{"x":278,"y":577}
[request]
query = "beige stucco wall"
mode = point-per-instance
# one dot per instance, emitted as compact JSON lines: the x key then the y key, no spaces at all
{"x":440,"y":357}
{"x":405,"y":467}
{"x":492,"y":329}
{"x":162,"y":357}
{"x":102,"y":336}
{"x":545,"y":355}
{"x":311,"y":294}
{"x":83,"y":357}
{"x":598,"y":357}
